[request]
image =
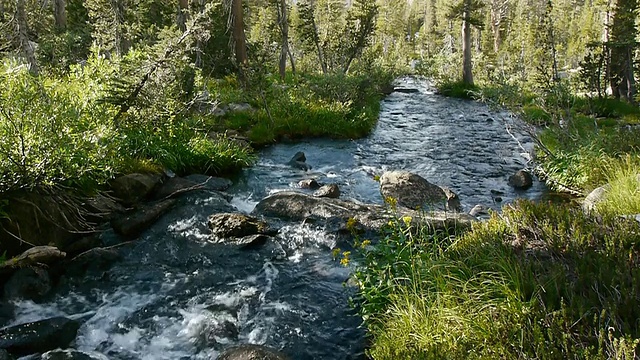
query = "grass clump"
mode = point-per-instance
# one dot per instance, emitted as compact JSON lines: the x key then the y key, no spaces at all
{"x":307,"y":105}
{"x":541,"y":281}
{"x":458,"y":89}
{"x":623,"y":190}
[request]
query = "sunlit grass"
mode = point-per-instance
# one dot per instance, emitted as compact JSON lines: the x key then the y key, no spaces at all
{"x":540,"y":281}
{"x":623,"y":193}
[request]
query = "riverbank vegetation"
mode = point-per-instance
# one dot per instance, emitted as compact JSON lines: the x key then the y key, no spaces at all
{"x":95,"y":89}
{"x":541,"y":281}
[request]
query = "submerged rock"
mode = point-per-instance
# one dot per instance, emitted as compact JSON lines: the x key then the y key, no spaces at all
{"x":415,"y":192}
{"x":251,"y":352}
{"x":236,"y":225}
{"x":39,"y":336}
{"x":328,"y":191}
{"x":522,"y":179}
{"x":133,"y":224}
{"x":297,"y":206}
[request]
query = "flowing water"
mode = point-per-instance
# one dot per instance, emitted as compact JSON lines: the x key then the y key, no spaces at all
{"x":178,"y":295}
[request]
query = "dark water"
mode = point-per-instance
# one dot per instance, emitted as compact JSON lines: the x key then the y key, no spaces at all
{"x":177,"y":295}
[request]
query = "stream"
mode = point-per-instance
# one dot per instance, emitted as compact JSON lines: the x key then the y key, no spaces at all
{"x":178,"y":295}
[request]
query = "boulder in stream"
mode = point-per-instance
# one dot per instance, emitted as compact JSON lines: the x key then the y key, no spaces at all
{"x":251,"y":352}
{"x":299,"y":161}
{"x":132,"y":188}
{"x":309,"y":184}
{"x":39,"y":336}
{"x":131,"y":225}
{"x":415,"y":192}
{"x":291,"y":205}
{"x":522,"y":179}
{"x":211,"y":182}
{"x":236,"y":225}
{"x":328,"y":191}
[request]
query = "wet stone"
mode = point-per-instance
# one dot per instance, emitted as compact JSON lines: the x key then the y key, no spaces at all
{"x":39,"y":336}
{"x":251,"y":352}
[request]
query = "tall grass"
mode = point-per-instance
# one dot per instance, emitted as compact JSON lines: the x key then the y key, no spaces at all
{"x":542,"y":281}
{"x":623,"y":193}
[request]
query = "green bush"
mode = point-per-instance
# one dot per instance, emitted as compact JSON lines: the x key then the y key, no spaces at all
{"x":540,"y":281}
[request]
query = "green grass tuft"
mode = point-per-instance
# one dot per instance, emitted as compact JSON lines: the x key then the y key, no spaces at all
{"x":458,"y":89}
{"x":539,"y":281}
{"x":623,"y":195}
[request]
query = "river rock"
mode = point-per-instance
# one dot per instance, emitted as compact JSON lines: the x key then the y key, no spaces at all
{"x":4,"y":355}
{"x":211,"y":182}
{"x":39,"y":336}
{"x":132,"y":188}
{"x":595,"y":197}
{"x":406,"y":90}
{"x":7,"y":311}
{"x":85,"y":244}
{"x":175,"y":186}
{"x":30,"y":283}
{"x":102,"y":207}
{"x":70,"y":354}
{"x":478,"y":210}
{"x":415,"y":192}
{"x":328,"y":191}
{"x":96,"y":258}
{"x":131,"y":225}
{"x":309,"y":184}
{"x":236,"y":225}
{"x":251,"y":352}
{"x":297,"y":206}
{"x":38,"y":255}
{"x":298,"y":161}
{"x":522,"y":179}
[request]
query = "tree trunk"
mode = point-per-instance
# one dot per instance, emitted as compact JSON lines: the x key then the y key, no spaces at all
{"x":283,"y":21}
{"x":292,"y":61}
{"x":238,"y":33}
{"x":467,"y":75}
{"x":183,"y":6}
{"x":60,"y":14}
{"x":120,"y":40}
{"x":23,"y":37}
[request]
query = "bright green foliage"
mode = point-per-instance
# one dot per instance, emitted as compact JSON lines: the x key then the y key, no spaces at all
{"x":623,"y":194}
{"x":339,"y":106}
{"x":53,"y":131}
{"x":541,"y":281}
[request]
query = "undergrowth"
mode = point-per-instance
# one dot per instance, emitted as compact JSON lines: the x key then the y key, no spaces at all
{"x":540,"y":281}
